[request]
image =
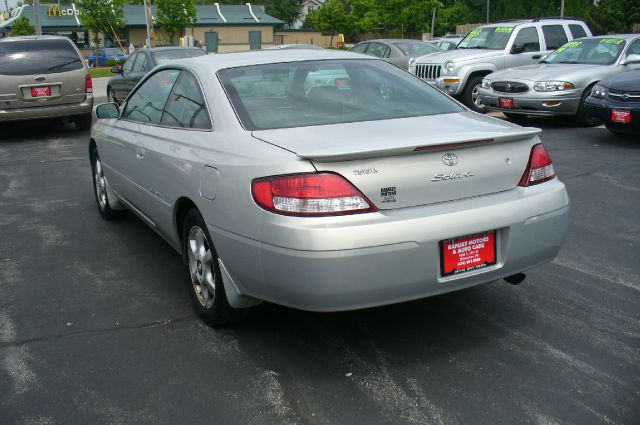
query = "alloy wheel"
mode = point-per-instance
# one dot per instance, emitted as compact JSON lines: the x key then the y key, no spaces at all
{"x":201,"y":268}
{"x":100,"y":184}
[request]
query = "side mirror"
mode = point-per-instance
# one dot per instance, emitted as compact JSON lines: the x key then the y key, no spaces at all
{"x":107,"y":111}
{"x":116,"y":70}
{"x":631,"y":59}
{"x":517,"y":48}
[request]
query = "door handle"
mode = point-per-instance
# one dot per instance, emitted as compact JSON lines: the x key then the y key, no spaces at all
{"x":140,"y":153}
{"x":536,"y":56}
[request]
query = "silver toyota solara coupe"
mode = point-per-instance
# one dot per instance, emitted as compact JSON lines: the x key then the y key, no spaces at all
{"x":323,"y":181}
{"x":560,"y":83}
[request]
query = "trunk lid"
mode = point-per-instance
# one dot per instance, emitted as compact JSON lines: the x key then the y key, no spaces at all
{"x":416,"y":161}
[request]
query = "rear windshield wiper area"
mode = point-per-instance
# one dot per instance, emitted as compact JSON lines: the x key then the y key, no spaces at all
{"x":60,"y":65}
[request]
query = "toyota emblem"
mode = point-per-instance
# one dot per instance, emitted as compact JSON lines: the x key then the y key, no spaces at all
{"x":450,"y":159}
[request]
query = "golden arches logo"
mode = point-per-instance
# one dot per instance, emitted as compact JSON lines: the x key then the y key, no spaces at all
{"x":54,"y":10}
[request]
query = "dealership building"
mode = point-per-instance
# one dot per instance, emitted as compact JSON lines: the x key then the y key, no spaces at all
{"x":218,"y":28}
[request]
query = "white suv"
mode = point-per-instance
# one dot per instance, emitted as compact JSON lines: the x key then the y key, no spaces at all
{"x":489,"y":48}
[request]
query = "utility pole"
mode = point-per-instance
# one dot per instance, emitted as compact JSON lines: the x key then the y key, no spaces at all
{"x":149,"y":15}
{"x":36,"y":16}
{"x":433,"y":23}
{"x":561,"y":8}
{"x":487,"y":11}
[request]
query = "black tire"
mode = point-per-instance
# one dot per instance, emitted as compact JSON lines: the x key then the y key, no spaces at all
{"x":106,"y":212}
{"x":111,"y":96}
{"x":582,"y":117}
{"x":83,"y":122}
{"x":515,"y":117}
{"x":468,"y":95}
{"x":209,"y":301}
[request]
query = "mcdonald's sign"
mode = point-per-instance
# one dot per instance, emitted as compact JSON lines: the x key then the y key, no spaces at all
{"x":56,"y":10}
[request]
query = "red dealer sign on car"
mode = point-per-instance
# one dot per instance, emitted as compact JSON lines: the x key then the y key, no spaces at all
{"x":468,"y":253}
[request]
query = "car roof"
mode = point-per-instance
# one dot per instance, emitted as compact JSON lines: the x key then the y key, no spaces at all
{"x":622,"y":36}
{"x":392,"y":40}
{"x":262,"y":57}
{"x":34,"y":37}
{"x":545,"y":21}
{"x":163,"y":49}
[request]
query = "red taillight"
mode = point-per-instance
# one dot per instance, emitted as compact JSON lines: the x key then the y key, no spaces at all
{"x":315,"y":194}
{"x":540,"y":167}
{"x":89,"y":85}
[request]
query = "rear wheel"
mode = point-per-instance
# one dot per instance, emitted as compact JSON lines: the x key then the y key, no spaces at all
{"x":471,"y":96}
{"x":202,"y":273}
{"x":83,"y":122}
{"x":110,"y":96}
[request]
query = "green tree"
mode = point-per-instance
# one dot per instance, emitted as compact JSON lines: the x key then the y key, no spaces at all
{"x":331,"y":19}
{"x":21,"y":26}
{"x":175,"y":15}
{"x":100,"y":16}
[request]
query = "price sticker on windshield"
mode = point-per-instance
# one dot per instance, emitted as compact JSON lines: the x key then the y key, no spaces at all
{"x":612,"y":40}
{"x":567,"y":45}
{"x":504,"y":29}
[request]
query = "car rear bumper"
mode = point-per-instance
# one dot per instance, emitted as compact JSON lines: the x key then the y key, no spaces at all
{"x":542,"y":104}
{"x":53,"y":111}
{"x":367,"y":260}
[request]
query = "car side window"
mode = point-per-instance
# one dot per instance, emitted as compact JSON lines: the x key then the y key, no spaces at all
{"x":186,"y":107}
{"x":128,"y":65}
{"x":360,"y":48}
{"x":634,"y":48}
{"x":554,"y":36}
{"x":140,"y":64}
{"x":147,"y":103}
{"x":577,"y":31}
{"x":529,"y":38}
{"x":377,"y":50}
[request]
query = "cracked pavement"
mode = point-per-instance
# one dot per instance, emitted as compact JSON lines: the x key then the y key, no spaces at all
{"x":96,"y":324}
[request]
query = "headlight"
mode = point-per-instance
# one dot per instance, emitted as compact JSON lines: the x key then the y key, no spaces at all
{"x":412,"y":65}
{"x":552,"y":86}
{"x":486,"y":84}
{"x":449,"y":67}
{"x":598,"y":92}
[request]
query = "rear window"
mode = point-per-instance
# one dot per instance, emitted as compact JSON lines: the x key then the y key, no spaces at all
{"x":38,"y":57}
{"x":300,"y":94}
{"x":554,"y":36}
{"x":577,"y":31}
{"x":167,"y":55}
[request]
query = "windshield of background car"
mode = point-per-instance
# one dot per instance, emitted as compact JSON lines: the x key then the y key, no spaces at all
{"x":492,"y":38}
{"x":112,"y":52}
{"x":595,"y":51}
{"x":167,"y":55}
{"x":38,"y":57}
{"x":299,"y":94}
{"x":415,"y":48}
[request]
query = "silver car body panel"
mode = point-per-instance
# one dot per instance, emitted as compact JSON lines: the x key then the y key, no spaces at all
{"x":537,"y":103}
{"x":340,"y":262}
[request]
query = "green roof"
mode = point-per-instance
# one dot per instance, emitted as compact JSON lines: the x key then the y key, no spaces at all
{"x":134,"y":15}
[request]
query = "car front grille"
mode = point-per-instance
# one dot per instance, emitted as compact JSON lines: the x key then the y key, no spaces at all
{"x":509,"y":87}
{"x":428,"y":71}
{"x":624,"y":96}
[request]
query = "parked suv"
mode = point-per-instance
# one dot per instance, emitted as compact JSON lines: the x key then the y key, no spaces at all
{"x":44,"y":77}
{"x":489,"y":48}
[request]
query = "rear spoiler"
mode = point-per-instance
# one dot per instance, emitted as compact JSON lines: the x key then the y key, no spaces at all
{"x":443,"y":142}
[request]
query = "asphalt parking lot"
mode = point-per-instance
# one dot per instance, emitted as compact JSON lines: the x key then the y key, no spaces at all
{"x":96,"y":325}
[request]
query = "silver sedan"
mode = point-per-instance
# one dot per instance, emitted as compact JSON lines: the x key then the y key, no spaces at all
{"x":396,"y":51}
{"x":323,"y":181}
{"x":561,"y":82}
